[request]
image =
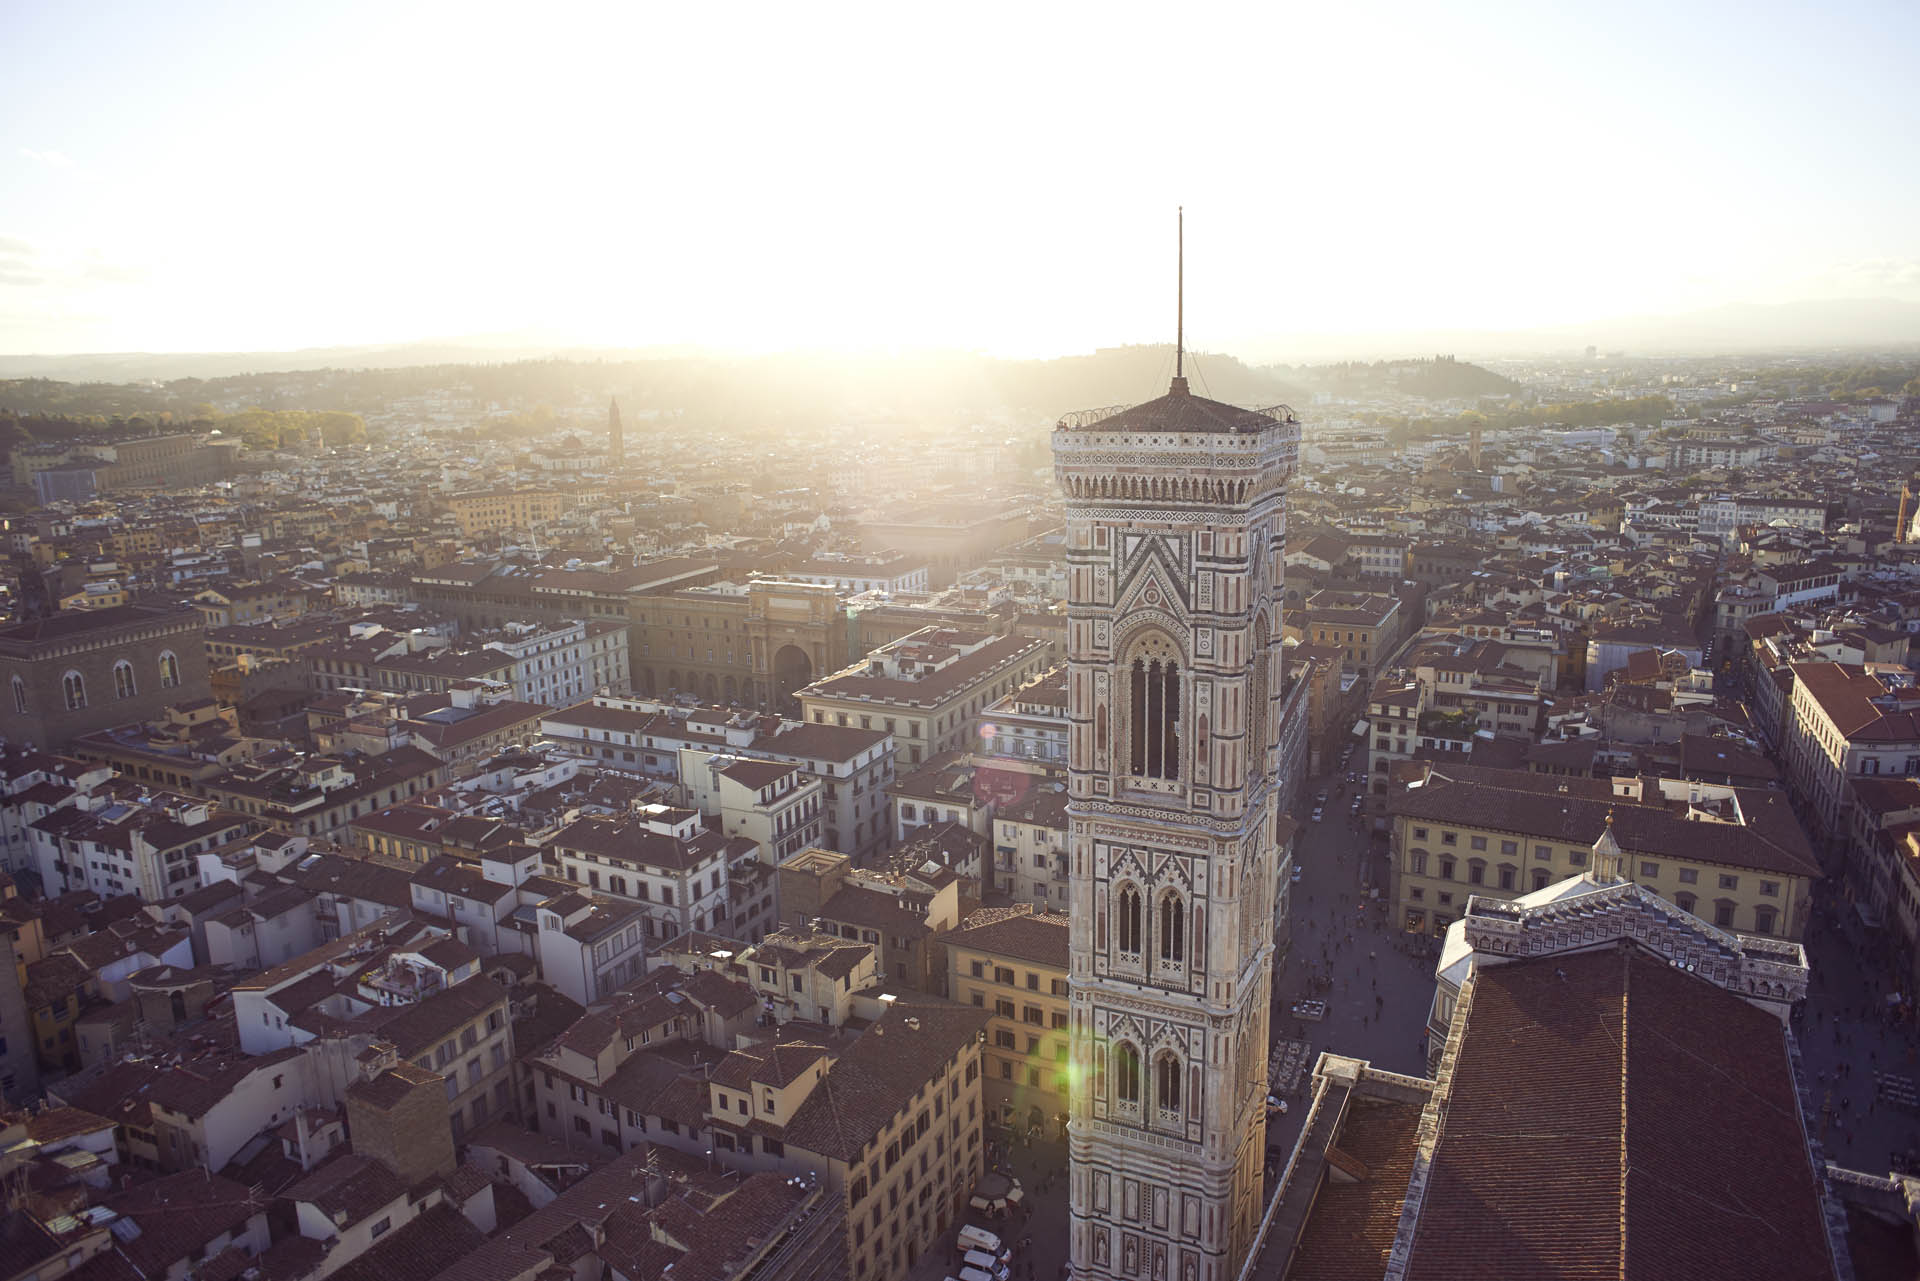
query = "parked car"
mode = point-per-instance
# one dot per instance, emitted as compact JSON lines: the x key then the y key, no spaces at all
{"x":981,"y":1261}
{"x":972,"y":1238}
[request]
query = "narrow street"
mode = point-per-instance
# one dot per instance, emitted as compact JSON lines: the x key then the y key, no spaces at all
{"x":1376,"y":984}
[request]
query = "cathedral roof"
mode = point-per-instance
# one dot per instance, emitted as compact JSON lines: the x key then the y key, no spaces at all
{"x":1180,"y":411}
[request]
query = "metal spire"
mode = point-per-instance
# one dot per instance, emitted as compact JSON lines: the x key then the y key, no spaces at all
{"x":1180,"y":308}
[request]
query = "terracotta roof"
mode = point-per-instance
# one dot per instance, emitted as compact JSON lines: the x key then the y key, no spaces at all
{"x":1353,"y":1223}
{"x":1609,"y":1116}
{"x":437,"y":1239}
{"x":1017,"y":932}
{"x":1535,"y":806}
{"x":1847,"y":695}
{"x":178,"y":1214}
{"x":880,"y":1074}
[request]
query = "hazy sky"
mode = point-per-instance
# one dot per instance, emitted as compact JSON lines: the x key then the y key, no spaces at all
{"x":254,"y":176}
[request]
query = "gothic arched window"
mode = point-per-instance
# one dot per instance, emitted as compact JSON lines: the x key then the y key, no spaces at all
{"x":123,"y":680}
{"x":1153,"y":710}
{"x":1126,"y":1074}
{"x":74,"y":686}
{"x":1129,"y":919}
{"x":19,"y":695}
{"x":1166,"y":1089}
{"x":1258,"y":730}
{"x":169,"y":670}
{"x":1173,"y":929}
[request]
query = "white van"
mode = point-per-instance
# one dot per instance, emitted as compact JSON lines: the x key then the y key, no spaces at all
{"x":972,"y":1238}
{"x":986,"y":1263}
{"x":975,"y":1274}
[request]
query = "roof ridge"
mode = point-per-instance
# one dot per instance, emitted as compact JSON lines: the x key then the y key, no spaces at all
{"x":1626,"y":997}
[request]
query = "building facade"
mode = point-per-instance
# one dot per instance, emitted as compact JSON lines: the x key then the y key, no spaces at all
{"x":926,"y":689}
{"x":1176,"y":533}
{"x":1012,"y":961}
{"x":74,"y":673}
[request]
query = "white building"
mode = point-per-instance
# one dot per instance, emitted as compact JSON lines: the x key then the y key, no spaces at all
{"x":663,"y":861}
{"x":560,"y":665}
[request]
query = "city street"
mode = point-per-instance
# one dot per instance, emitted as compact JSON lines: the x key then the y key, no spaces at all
{"x":1846,"y":1039}
{"x":1377,"y":985}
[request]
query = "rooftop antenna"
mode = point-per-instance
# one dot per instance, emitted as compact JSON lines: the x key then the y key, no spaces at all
{"x":1180,"y":308}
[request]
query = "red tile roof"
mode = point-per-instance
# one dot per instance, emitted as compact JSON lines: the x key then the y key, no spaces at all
{"x":1611,"y":1116}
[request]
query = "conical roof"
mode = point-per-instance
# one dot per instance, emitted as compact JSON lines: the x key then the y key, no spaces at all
{"x":1181,"y":411}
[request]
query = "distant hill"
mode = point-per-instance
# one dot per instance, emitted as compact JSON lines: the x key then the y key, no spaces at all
{"x":1441,"y":378}
{"x":747,"y":392}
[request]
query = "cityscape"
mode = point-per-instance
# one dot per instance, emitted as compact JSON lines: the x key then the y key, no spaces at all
{"x":804,"y":720}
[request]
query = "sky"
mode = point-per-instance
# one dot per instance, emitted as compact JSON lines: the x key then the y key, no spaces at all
{"x":206,"y":177}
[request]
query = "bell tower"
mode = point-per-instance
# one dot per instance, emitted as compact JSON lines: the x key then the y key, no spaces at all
{"x":1176,"y":533}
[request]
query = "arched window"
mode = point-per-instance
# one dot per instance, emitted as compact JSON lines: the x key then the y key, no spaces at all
{"x":19,"y":695}
{"x":1166,"y":1082}
{"x":1257,"y":729}
{"x":123,"y":680}
{"x":75,"y":689}
{"x":1126,"y":1074}
{"x":1129,"y":919}
{"x":1173,"y":929}
{"x":1153,"y":710}
{"x":169,"y":670}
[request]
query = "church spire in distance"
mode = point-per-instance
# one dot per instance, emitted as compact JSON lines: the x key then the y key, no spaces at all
{"x":1179,"y":387}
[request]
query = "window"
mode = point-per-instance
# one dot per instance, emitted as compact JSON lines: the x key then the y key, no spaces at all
{"x":169,"y":670}
{"x":1689,"y":876}
{"x":1449,"y":838}
{"x":75,"y":688}
{"x":1419,"y":833}
{"x":1167,"y":1082}
{"x":1770,"y":889}
{"x":979,"y":969}
{"x":1729,"y":882}
{"x":1543,"y":853}
{"x":1446,"y":869}
{"x":1649,"y":869}
{"x":1129,"y":919}
{"x":1723,"y":913}
{"x":19,"y":695}
{"x":1510,"y":848}
{"x":381,"y":1226}
{"x":123,"y":680}
{"x":1476,"y":872}
{"x":1477,"y":842}
{"x":1508,"y":876}
{"x":1173,"y":929}
{"x":1685,"y":902}
{"x":1419,"y":858}
{"x":1126,"y":1074}
{"x":1763,"y":919}
{"x":1153,"y":690}
{"x":1540,"y":875}
{"x":1577,"y":857}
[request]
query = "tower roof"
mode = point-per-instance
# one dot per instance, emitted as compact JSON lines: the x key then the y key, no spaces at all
{"x":1178,"y":411}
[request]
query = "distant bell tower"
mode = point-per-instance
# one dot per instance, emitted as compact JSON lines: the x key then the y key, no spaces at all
{"x":616,"y":438}
{"x":1176,"y":539}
